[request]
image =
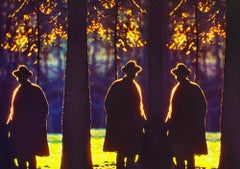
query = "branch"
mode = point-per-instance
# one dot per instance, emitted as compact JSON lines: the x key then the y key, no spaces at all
{"x":177,"y":7}
{"x":19,"y":8}
{"x":100,"y":10}
{"x":138,"y":6}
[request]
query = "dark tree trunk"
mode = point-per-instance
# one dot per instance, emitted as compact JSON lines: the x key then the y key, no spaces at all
{"x":197,"y":39}
{"x":157,"y":156}
{"x":38,"y":42}
{"x":76,"y":152}
{"x":116,"y":59}
{"x":230,"y":138}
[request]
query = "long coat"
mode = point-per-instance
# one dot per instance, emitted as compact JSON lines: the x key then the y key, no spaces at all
{"x":125,"y":117}
{"x":186,"y":120}
{"x":28,"y":132}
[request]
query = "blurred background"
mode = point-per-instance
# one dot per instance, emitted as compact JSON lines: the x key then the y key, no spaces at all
{"x":34,"y":33}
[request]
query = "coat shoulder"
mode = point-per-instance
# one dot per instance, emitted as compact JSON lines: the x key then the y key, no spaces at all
{"x":37,"y":87}
{"x":195,"y":85}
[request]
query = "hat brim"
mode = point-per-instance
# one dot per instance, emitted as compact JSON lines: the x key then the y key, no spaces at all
{"x":17,"y":73}
{"x":177,"y":72}
{"x":135,"y":69}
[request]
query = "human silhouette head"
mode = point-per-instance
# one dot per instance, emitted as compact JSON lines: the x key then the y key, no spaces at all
{"x":22,"y":73}
{"x":181,"y":71}
{"x":131,"y":69}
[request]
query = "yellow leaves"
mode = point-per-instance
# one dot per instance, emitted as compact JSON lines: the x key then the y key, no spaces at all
{"x":202,"y":7}
{"x":44,"y":9}
{"x":8,"y":35}
{"x":185,"y":32}
{"x":192,"y":46}
{"x":108,"y":3}
{"x":50,"y":39}
{"x":129,"y":34}
{"x":5,"y":46}
{"x":219,"y":30}
{"x":180,"y":38}
{"x":185,"y":15}
{"x":25,"y":38}
{"x":209,"y":37}
{"x":206,"y":5}
{"x":128,"y":12}
{"x":131,"y":37}
{"x":23,"y":35}
{"x":124,"y":25}
{"x":34,"y":48}
{"x":21,"y":41}
{"x":96,"y":26}
{"x":29,"y":54}
{"x":26,"y":17}
{"x":47,"y":7}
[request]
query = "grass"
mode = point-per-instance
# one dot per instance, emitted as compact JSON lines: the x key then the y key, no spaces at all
{"x":106,"y":160}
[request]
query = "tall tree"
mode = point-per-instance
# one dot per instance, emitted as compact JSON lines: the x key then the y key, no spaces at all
{"x":157,"y":154}
{"x":230,"y":135}
{"x":76,"y":152}
{"x":116,"y":59}
{"x":197,"y":39}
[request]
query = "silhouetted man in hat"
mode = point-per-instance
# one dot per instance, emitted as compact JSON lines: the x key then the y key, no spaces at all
{"x":27,"y":120}
{"x":125,"y":117}
{"x":186,"y":119}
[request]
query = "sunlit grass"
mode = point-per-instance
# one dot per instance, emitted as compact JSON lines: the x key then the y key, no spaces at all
{"x":210,"y":161}
{"x":103,"y":160}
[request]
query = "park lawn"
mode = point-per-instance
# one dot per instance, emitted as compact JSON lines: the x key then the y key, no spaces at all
{"x":104,"y":160}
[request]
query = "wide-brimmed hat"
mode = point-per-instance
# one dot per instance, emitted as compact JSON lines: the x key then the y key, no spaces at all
{"x":131,"y":66}
{"x":22,"y":71}
{"x":181,"y":70}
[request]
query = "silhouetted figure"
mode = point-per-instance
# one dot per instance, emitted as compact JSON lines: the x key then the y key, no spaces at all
{"x":186,"y":119}
{"x":27,"y":120}
{"x":125,"y":117}
{"x":5,"y":101}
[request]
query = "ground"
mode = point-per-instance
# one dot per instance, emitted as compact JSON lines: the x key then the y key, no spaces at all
{"x":103,"y":160}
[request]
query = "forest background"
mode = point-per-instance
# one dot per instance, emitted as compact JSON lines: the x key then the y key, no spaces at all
{"x":35,"y":33}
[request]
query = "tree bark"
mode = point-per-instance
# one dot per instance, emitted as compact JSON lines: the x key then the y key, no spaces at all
{"x":116,"y":59}
{"x":230,"y":135}
{"x":157,"y":155}
{"x":76,"y":151}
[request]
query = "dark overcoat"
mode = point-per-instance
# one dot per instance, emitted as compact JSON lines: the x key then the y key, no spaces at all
{"x":28,"y":130}
{"x":186,"y":120}
{"x":125,"y":117}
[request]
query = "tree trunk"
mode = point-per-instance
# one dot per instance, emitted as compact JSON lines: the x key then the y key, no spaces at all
{"x":157,"y":156}
{"x":115,"y":40}
{"x":38,"y":42}
{"x":76,"y":152}
{"x":230,"y":135}
{"x":197,"y":40}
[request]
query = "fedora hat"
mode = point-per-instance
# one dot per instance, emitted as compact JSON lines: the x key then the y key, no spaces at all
{"x":22,"y":71}
{"x":131,"y":66}
{"x":180,"y":70}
